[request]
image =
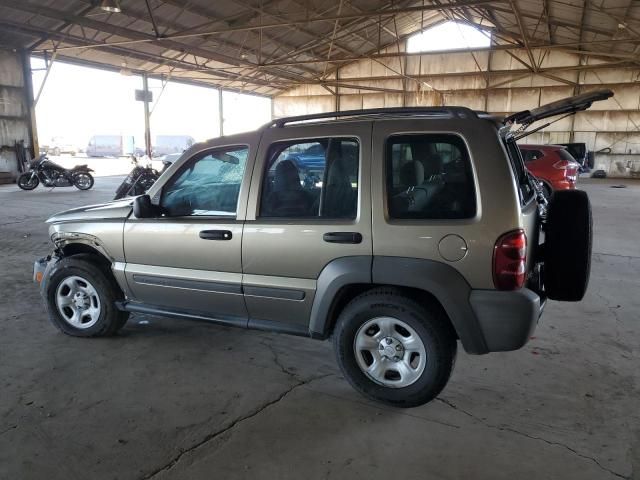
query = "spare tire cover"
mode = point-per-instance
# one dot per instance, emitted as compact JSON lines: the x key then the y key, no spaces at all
{"x":567,"y":250}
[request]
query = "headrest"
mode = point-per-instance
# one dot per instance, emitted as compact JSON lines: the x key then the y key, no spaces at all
{"x":412,"y":173}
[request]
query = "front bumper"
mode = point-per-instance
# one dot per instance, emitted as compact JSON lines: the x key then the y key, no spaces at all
{"x":39,"y":268}
{"x":506,"y":319}
{"x":42,"y":268}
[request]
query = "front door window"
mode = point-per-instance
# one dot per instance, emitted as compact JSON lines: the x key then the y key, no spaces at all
{"x":209,"y":184}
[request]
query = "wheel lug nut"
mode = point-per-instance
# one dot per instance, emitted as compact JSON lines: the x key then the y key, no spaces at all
{"x":398,"y":347}
{"x":396,"y":358}
{"x":380,"y":347}
{"x":389,"y":341}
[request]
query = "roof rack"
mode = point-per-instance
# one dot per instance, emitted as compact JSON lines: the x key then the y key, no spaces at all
{"x":460,"y":112}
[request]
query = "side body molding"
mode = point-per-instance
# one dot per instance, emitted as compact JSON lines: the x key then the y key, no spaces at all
{"x":337,"y":274}
{"x":443,"y":282}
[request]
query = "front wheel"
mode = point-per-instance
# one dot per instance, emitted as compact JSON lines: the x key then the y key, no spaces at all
{"x":393,"y":349}
{"x":83,"y":180}
{"x":28,"y":181}
{"x":81,"y":298}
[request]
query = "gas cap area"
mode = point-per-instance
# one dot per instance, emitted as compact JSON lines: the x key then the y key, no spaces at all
{"x":452,"y":248}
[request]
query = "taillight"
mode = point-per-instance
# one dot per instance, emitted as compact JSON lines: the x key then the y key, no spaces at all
{"x":509,"y":261}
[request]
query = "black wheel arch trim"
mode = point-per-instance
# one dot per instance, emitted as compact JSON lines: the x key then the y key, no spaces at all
{"x":442,"y":281}
{"x":336,"y":275}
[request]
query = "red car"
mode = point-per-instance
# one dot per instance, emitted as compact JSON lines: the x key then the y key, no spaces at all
{"x":552,"y":164}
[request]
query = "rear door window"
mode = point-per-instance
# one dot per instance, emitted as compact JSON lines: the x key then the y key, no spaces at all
{"x":429,"y":176}
{"x":315,"y":178}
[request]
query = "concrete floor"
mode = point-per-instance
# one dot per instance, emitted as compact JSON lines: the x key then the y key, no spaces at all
{"x":171,"y":399}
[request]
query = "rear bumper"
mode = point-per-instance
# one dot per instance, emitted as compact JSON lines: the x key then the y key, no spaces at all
{"x":506,"y":319}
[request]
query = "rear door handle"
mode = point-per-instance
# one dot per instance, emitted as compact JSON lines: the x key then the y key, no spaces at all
{"x":342,"y":237}
{"x":216,"y":235}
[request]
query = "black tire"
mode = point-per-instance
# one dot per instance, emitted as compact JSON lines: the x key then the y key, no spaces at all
{"x":430,"y":324}
{"x":568,"y":239}
{"x":123,"y":189}
{"x":84,"y":174}
{"x":25,"y":182}
{"x":88,"y":267}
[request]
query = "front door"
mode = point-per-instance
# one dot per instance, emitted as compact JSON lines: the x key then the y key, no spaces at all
{"x":189,"y":259}
{"x":309,"y":204}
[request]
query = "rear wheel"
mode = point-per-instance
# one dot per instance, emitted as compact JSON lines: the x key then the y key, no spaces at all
{"x":83,"y":180}
{"x":28,"y":181}
{"x":568,"y":239}
{"x":394,"y":350}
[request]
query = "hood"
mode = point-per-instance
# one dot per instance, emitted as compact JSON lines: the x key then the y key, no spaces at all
{"x":119,"y":209}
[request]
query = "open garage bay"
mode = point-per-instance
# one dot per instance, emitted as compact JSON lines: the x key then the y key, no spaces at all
{"x":177,"y":399}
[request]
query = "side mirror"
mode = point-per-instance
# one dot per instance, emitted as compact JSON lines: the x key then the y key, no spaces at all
{"x":143,"y":208}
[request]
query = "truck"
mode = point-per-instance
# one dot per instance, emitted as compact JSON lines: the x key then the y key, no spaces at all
{"x":167,"y":144}
{"x":110,"y":146}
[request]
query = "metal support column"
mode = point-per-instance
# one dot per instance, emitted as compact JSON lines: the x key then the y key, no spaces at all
{"x":30,"y":110}
{"x":147,"y":128}
{"x":220,"y":112}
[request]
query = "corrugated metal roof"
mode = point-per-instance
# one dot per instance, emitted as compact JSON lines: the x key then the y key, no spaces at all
{"x":240,"y":45}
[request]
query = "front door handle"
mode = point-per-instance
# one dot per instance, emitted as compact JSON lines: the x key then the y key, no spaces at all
{"x":342,"y":237}
{"x":216,"y":235}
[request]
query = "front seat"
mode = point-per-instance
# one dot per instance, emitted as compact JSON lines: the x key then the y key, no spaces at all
{"x":287,"y":199}
{"x":340,"y":200}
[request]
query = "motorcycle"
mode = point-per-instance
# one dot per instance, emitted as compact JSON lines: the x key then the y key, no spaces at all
{"x":53,"y":175}
{"x":139,"y":180}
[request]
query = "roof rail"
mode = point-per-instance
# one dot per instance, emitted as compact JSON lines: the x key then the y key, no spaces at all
{"x":461,"y":112}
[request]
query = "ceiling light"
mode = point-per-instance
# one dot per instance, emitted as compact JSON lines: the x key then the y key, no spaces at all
{"x":244,"y":56}
{"x":112,"y":6}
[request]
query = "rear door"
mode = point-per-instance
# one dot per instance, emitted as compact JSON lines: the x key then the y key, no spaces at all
{"x":309,"y":204}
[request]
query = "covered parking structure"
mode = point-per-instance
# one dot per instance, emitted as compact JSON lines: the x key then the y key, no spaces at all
{"x":326,"y":56}
{"x":180,"y":400}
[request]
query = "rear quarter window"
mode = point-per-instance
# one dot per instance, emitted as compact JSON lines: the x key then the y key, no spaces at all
{"x":529,"y":155}
{"x":429,"y":176}
{"x":525,"y":188}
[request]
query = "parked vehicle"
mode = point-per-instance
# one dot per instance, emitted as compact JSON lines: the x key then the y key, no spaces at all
{"x":167,"y":144}
{"x":141,"y":178}
{"x":53,"y":175}
{"x":60,"y":145}
{"x":425,"y":229}
{"x":138,"y":181}
{"x":581,"y":154}
{"x":551,"y":164}
{"x":110,"y":146}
